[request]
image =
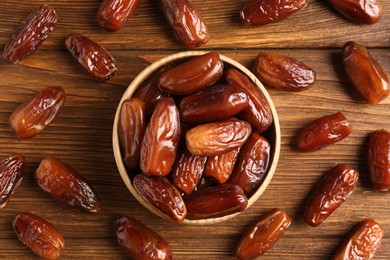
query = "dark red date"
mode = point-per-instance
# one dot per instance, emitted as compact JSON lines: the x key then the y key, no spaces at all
{"x":379,"y":159}
{"x":220,"y":167}
{"x":361,"y":12}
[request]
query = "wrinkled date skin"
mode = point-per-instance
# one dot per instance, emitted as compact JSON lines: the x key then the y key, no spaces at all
{"x":39,"y":235}
{"x":260,"y":237}
{"x":66,"y":186}
{"x":33,"y":116}
{"x":379,"y":159}
{"x":260,"y":12}
{"x":132,"y":124}
{"x":220,"y":167}
{"x":161,"y":196}
{"x":323,"y":132}
{"x":283,"y":72}
{"x":252,"y":164}
{"x":365,"y":73}
{"x":193,"y":75}
{"x":330,"y":193}
{"x":361,"y":242}
{"x":215,"y":201}
{"x":140,"y":242}
{"x":218,"y":137}
{"x":32,"y":32}
{"x":94,"y":58}
{"x":186,"y":22}
{"x":213,"y":104}
{"x":187,"y":171}
{"x":358,"y":11}
{"x":258,"y":113}
{"x":12,"y":170}
{"x":161,"y":140}
{"x":113,"y":14}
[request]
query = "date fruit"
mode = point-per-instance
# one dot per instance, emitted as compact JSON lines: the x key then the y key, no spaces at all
{"x":34,"y":115}
{"x":93,"y":57}
{"x":260,"y":237}
{"x":283,"y":72}
{"x":161,"y":140}
{"x":360,"y":12}
{"x":161,"y":196}
{"x":39,"y":235}
{"x":140,"y":242}
{"x":113,"y":14}
{"x":361,"y":242}
{"x":220,"y":167}
{"x":379,"y":159}
{"x":32,"y":32}
{"x":330,"y":193}
{"x":215,"y":201}
{"x":66,"y":186}
{"x":323,"y":132}
{"x":193,"y":75}
{"x":365,"y":73}
{"x":12,"y":170}
{"x":260,"y":12}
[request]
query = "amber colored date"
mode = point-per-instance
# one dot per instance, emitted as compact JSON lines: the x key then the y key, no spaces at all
{"x":39,"y":235}
{"x":93,"y":57}
{"x":215,"y":201}
{"x":34,"y":115}
{"x":379,"y":159}
{"x":361,"y":12}
{"x":161,"y":139}
{"x":365,"y":73}
{"x":193,"y":75}
{"x":252,"y":164}
{"x":260,"y":12}
{"x":220,"y":167}
{"x":260,"y":237}
{"x":66,"y":186}
{"x":258,"y":113}
{"x":113,"y":14}
{"x":161,"y":196}
{"x":330,"y":193}
{"x":323,"y":132}
{"x":32,"y":32}
{"x":12,"y":170}
{"x":141,"y":242}
{"x":362,"y":241}
{"x":283,"y":72}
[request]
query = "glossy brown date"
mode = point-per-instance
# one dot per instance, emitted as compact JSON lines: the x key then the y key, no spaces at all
{"x":362,"y":241}
{"x":252,"y":164}
{"x":94,"y":58}
{"x":187,"y":24}
{"x":132,"y":124}
{"x":161,"y":139}
{"x":140,"y":242}
{"x":258,"y":113}
{"x":34,"y":115}
{"x":220,"y":167}
{"x":215,"y":201}
{"x":39,"y":235}
{"x":379,"y":159}
{"x":324,"y":131}
{"x":330,"y":193}
{"x":365,"y":73}
{"x":161,"y":196}
{"x":361,"y":12}
{"x":32,"y":32}
{"x":12,"y":170}
{"x":193,"y":75}
{"x":213,"y":104}
{"x":66,"y":186}
{"x":260,"y":237}
{"x":113,"y":14}
{"x":283,"y":72}
{"x":260,"y":12}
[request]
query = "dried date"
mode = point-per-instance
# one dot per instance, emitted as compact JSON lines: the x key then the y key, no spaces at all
{"x":220,"y":167}
{"x":360,"y":12}
{"x":379,"y":159}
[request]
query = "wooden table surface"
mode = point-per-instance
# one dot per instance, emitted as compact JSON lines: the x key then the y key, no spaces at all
{"x":81,"y":134}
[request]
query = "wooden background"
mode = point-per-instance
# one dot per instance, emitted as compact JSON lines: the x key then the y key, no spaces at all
{"x":81,"y":135}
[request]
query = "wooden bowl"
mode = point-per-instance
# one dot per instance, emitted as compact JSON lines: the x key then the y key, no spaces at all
{"x":273,"y":131}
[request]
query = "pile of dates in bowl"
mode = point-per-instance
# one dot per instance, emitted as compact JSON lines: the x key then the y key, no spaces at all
{"x":196,"y":138}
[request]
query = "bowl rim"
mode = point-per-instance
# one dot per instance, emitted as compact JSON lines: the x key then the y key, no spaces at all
{"x":134,"y":86}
